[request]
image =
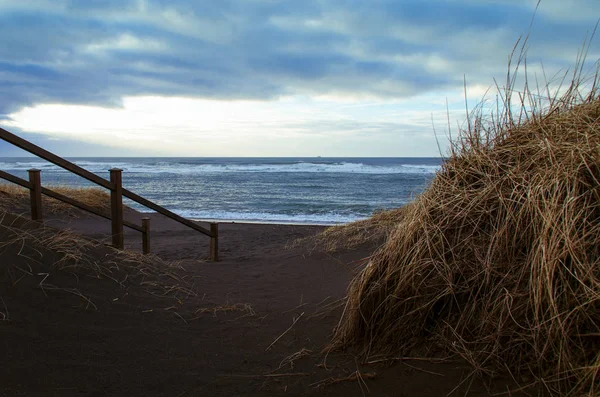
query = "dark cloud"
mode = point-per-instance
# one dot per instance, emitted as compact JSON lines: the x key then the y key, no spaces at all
{"x":64,"y":147}
{"x":96,"y":52}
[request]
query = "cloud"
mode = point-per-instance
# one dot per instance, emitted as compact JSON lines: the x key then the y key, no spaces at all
{"x":200,"y":127}
{"x":256,"y":49}
{"x":99,"y":53}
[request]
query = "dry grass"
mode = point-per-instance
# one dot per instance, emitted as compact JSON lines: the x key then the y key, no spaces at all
{"x":286,"y":331}
{"x":355,"y":376}
{"x":374,"y":230}
{"x":15,"y":198}
{"x":227,"y":308}
{"x":54,"y":250}
{"x":499,"y":260}
{"x":4,"y":314}
{"x":292,"y":358}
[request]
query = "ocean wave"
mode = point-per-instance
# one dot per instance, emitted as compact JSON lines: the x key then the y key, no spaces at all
{"x":91,"y":166}
{"x":162,"y":167}
{"x":26,"y":165}
{"x":228,"y":216}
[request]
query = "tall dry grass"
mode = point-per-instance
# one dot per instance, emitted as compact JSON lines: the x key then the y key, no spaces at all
{"x":371,"y":231}
{"x":499,"y":260}
{"x":31,"y":245}
{"x":15,"y":198}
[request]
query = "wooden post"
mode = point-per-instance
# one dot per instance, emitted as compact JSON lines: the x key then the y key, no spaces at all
{"x":214,"y":242}
{"x":146,"y":235}
{"x":116,"y":207}
{"x":35,"y":194}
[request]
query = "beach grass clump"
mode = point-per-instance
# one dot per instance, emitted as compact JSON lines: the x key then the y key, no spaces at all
{"x":15,"y":198}
{"x":29,"y":248}
{"x":499,"y":260}
{"x":370,"y":231}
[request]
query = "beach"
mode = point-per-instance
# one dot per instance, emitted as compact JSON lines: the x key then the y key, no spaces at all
{"x":255,"y":323}
{"x":319,"y":198}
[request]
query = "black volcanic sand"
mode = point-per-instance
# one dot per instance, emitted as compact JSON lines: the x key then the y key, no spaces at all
{"x":128,"y":342}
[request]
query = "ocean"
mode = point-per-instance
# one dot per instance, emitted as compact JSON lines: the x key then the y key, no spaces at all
{"x":270,"y":190}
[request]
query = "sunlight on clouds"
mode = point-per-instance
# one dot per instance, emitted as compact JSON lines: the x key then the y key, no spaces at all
{"x":213,"y":30}
{"x":126,"y":42}
{"x":290,"y":126}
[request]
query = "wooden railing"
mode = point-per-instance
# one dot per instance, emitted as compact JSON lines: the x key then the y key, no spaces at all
{"x":117,"y":191}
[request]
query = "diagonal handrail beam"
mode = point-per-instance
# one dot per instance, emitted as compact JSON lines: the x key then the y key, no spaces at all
{"x":161,"y":210}
{"x":51,"y":157}
{"x":61,"y":197}
{"x":69,"y":166}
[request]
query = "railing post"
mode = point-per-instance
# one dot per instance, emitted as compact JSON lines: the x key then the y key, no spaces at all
{"x":35,"y":194}
{"x":116,"y":207}
{"x":146,"y":235}
{"x":214,"y":242}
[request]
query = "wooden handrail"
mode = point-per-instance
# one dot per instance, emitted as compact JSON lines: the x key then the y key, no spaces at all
{"x":69,"y":166}
{"x":166,"y":212}
{"x":65,"y":199}
{"x":51,"y":157}
{"x":114,"y":185}
{"x":116,"y":208}
{"x":15,"y":179}
{"x":35,"y":194}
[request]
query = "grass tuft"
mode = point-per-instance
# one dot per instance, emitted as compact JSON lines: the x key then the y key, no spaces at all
{"x":499,"y":260}
{"x":51,"y":251}
{"x":15,"y":199}
{"x":374,"y":230}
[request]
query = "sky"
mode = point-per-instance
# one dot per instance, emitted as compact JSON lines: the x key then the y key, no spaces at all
{"x":266,"y":78}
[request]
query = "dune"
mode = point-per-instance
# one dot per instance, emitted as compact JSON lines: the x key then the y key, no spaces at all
{"x":498,"y":261}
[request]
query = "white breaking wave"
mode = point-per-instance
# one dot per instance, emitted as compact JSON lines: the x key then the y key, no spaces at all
{"x":46,"y":166}
{"x":190,"y":168}
{"x":227,"y":216}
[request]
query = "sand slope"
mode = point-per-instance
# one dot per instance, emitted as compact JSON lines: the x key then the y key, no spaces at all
{"x":73,"y":332}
